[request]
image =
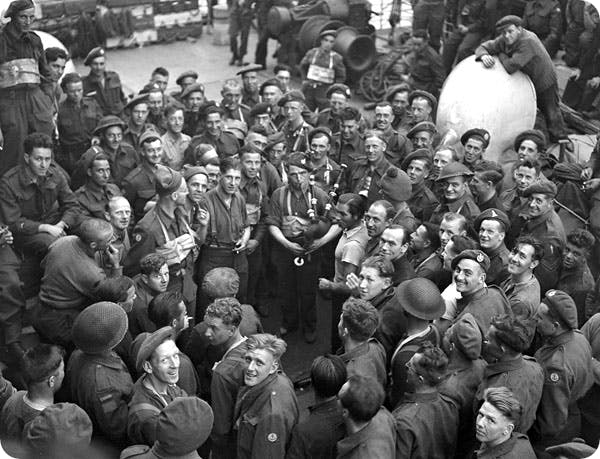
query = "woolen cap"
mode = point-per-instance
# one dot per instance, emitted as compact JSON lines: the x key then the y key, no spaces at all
{"x":196,"y":87}
{"x":395,"y":185}
{"x":238,"y":128}
{"x":427,"y":126}
{"x":274,"y":139}
{"x":221,"y":283}
{"x":263,"y":108}
{"x":476,"y":255}
{"x":298,"y":159}
{"x":183,"y":425}
{"x":509,"y":20}
{"x":492,"y":214}
{"x":150,"y":343}
{"x":109,"y":121}
{"x":291,"y":96}
{"x":99,"y":327}
{"x":93,"y":54}
{"x":60,"y":428}
{"x":454,"y":169}
{"x":514,"y":332}
{"x":427,"y":95}
{"x":562,"y":305}
{"x":421,"y":298}
{"x":391,"y":92}
{"x":339,"y":88}
{"x":190,"y":171}
{"x":189,"y":73}
{"x":466,"y":336}
{"x":541,"y":187}
{"x":535,"y":135}
{"x":90,"y":155}
{"x":476,"y":133}
{"x":576,"y":449}
{"x":17,"y":6}
{"x":167,"y":179}
{"x":420,"y":153}
{"x":249,"y":68}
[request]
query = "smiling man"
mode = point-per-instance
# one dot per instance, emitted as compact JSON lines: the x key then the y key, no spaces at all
{"x":418,"y":166}
{"x":475,"y":142}
{"x":393,"y":244}
{"x":266,"y":406}
{"x":457,"y":197}
{"x":492,"y":226}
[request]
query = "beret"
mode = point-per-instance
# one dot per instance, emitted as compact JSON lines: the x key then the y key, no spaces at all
{"x":238,"y":128}
{"x":476,"y":255}
{"x":466,"y":336}
{"x":274,"y":139}
{"x":492,"y":214}
{"x":395,"y":185}
{"x":149,"y":134}
{"x":221,"y":283}
{"x":99,"y":327}
{"x":211,"y":107}
{"x":421,"y":298}
{"x":150,"y":343}
{"x":271,"y":82}
{"x":331,"y":32}
{"x":454,"y":169}
{"x":16,"y":6}
{"x":249,"y":68}
{"x":427,"y":95}
{"x":478,"y":133}
{"x":292,"y":96}
{"x":392,"y":91}
{"x":319,"y":130}
{"x":515,"y":332}
{"x":190,"y":73}
{"x":190,"y":171}
{"x":109,"y":121}
{"x":141,"y":98}
{"x":262,"y":108}
{"x":542,"y":187}
{"x":422,"y":126}
{"x":298,"y":159}
{"x":535,"y":135}
{"x":509,"y":20}
{"x":89,"y":156}
{"x":562,"y":305}
{"x":93,"y":54}
{"x":419,"y":153}
{"x":183,"y":425}
{"x":576,"y":449}
{"x":196,"y":87}
{"x":167,"y":179}
{"x":339,"y":88}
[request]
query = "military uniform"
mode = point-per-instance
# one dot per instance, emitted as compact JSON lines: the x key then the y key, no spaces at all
{"x":241,"y":13}
{"x":524,"y":377}
{"x":367,"y":359}
{"x":344,"y":152}
{"x":122,"y":161}
{"x":422,"y":202}
{"x":139,"y":321}
{"x":525,"y":294}
{"x":426,"y":71}
{"x":577,"y":283}
{"x":108,"y":93}
{"x":192,"y":121}
{"x":139,"y":187}
{"x":11,"y":295}
{"x":427,"y":265}
{"x":265,"y":415}
{"x":241,"y":113}
{"x":398,"y":146}
{"x":326,"y":175}
{"x":376,"y":439}
{"x":102,"y":386}
{"x":484,"y":305}
{"x":360,"y":177}
{"x":225,"y":145}
{"x":315,"y":86}
{"x":93,"y":199}
{"x":544,"y":18}
{"x":429,"y":15}
{"x":465,"y":205}
{"x":132,"y":134}
{"x":174,"y":150}
{"x":296,"y":139}
{"x":498,"y":270}
{"x":158,"y":121}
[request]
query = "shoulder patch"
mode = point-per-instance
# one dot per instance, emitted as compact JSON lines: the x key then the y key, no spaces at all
{"x":272,"y":437}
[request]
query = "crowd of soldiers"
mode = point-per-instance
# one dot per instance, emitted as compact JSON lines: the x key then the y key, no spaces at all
{"x":465,"y":315}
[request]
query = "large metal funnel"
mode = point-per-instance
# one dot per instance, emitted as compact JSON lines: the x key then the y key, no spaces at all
{"x":358,"y":50}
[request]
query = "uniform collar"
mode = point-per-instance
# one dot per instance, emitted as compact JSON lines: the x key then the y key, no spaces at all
{"x":503,"y":366}
{"x":426,"y":397}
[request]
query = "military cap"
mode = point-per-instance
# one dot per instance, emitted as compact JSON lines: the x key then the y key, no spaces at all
{"x":271,"y":82}
{"x":190,"y":171}
{"x":339,"y":88}
{"x":238,"y":128}
{"x":89,"y":156}
{"x":576,"y":449}
{"x":535,"y":135}
{"x":109,"y":121}
{"x":221,"y":283}
{"x":183,"y":425}
{"x":62,"y":428}
{"x":141,"y":98}
{"x":476,"y":255}
{"x":492,"y":214}
{"x":509,"y":20}
{"x":262,"y":108}
{"x":395,"y":185}
{"x":149,"y":134}
{"x":514,"y":332}
{"x":293,"y":95}
{"x":196,"y":87}
{"x":298,"y":159}
{"x":99,"y":327}
{"x":420,"y":298}
{"x":210,"y":108}
{"x":274,"y":139}
{"x":541,"y":187}
{"x":167,"y":179}
{"x":150,"y":87}
{"x":419,"y":153}
{"x":563,"y":306}
{"x":249,"y":68}
{"x":189,"y":73}
{"x":454,"y":169}
{"x":93,"y":54}
{"x":330,"y":32}
{"x":427,"y":95}
{"x":478,"y":134}
{"x":150,"y":343}
{"x":392,"y":91}
{"x":422,"y":126}
{"x":319,"y":130}
{"x":466,"y":336}
{"x":17,"y":6}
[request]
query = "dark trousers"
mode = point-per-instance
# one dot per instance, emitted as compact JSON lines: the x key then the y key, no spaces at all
{"x":54,"y":325}
{"x":548,"y":103}
{"x":12,"y":301}
{"x":458,"y":47}
{"x":255,"y":270}
{"x":315,"y":95}
{"x":337,"y":301}
{"x":217,"y":257}
{"x":34,"y":244}
{"x":22,"y":111}
{"x":429,"y":16}
{"x":239,"y":25}
{"x":260,"y":55}
{"x":297,"y":287}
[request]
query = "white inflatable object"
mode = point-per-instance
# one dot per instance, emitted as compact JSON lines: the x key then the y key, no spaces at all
{"x":477,"y":97}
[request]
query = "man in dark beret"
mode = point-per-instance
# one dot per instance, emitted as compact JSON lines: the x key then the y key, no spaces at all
{"x":187,"y":78}
{"x":397,"y":95}
{"x":250,"y":90}
{"x":492,"y":226}
{"x":422,"y":135}
{"x":475,"y":141}
{"x":23,"y":64}
{"x":224,"y":142}
{"x":338,"y":95}
{"x":104,"y":85}
{"x":294,"y":127}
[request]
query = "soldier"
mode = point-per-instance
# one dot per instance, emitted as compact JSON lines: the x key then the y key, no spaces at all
{"x":457,"y":198}
{"x":422,"y":135}
{"x":525,"y":173}
{"x":35,"y":199}
{"x":156,"y":106}
{"x":137,"y":121}
{"x":241,"y":14}
{"x":492,"y":226}
{"x":262,"y":22}
{"x":418,"y":167}
{"x":117,"y":212}
{"x":338,"y":96}
{"x":56,"y":58}
{"x":398,"y":145}
{"x":398,"y":96}
{"x":423,"y":106}
{"x":348,"y":145}
{"x":225,"y":143}
{"x":260,"y":115}
{"x":395,"y":188}
{"x":231,"y":105}
{"x":77,"y":118}
{"x":97,"y":191}
{"x":441,"y":158}
{"x":23,"y":58}
{"x":325,"y":171}
{"x":393,"y":245}
{"x":104,"y":85}
{"x":266,"y":408}
{"x":276,"y":152}
{"x":544,"y":18}
{"x":566,"y":360}
{"x":97,"y":378}
{"x":193,"y":99}
{"x":425,"y":243}
{"x":250,"y":90}
{"x":475,"y":141}
{"x":294,"y":128}
{"x":425,"y":69}
{"x":283,"y":73}
{"x":187,"y":78}
{"x":429,"y":16}
{"x":270,"y":93}
{"x":174,"y":141}
{"x":377,"y":218}
{"x":322,"y":67}
{"x":487,"y":179}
